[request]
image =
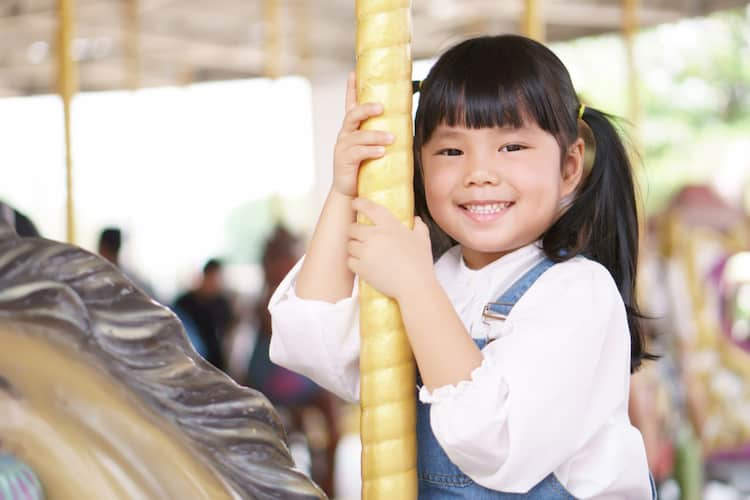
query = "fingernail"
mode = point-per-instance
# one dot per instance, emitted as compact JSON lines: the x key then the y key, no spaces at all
{"x":380,"y":150}
{"x":390,"y":137}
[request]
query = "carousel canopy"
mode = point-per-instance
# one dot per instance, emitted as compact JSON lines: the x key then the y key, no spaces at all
{"x":173,"y":42}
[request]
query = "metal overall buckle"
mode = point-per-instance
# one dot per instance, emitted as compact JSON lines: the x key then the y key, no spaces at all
{"x":489,"y":314}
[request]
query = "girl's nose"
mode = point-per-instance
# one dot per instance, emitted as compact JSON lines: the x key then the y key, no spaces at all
{"x":480,"y":176}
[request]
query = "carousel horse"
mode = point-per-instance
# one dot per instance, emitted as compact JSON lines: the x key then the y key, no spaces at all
{"x":702,"y":234}
{"x":102,"y":396}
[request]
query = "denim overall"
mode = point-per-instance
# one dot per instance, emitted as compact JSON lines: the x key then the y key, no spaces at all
{"x":438,"y":478}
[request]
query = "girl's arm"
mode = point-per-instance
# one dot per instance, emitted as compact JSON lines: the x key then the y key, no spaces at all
{"x":551,"y":395}
{"x":315,"y":316}
{"x":324,"y":274}
{"x":398,"y":261}
{"x":443,"y":349}
{"x":316,"y":338}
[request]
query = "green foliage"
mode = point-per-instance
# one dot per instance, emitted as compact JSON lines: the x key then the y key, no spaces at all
{"x":694,"y":93}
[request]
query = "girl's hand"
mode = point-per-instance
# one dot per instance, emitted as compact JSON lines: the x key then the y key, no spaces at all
{"x":389,"y":256}
{"x":353,"y":145}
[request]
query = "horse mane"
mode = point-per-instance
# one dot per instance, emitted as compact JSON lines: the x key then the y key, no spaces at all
{"x":83,"y":301}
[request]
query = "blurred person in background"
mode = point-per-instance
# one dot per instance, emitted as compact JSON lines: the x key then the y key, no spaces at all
{"x":22,"y":224}
{"x":110,"y":243}
{"x":305,"y":407}
{"x":206,"y":313}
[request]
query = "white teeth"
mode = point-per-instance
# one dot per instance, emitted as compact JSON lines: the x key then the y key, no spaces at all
{"x":488,"y":208}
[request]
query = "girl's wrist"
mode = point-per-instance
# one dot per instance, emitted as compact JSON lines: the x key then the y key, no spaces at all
{"x":341,"y":204}
{"x":335,"y":193}
{"x":415,"y":285}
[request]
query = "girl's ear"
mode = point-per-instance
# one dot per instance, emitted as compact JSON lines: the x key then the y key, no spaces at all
{"x":572,"y":167}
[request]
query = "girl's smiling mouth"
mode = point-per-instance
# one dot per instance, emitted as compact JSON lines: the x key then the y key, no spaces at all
{"x":483,"y":211}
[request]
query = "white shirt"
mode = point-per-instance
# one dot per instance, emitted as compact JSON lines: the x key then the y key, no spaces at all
{"x":550,"y":396}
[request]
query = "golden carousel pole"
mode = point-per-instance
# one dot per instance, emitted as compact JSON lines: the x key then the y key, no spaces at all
{"x":387,"y":367}
{"x":532,"y":20}
{"x":67,"y":83}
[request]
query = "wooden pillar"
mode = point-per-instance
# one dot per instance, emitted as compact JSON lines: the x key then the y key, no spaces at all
{"x":532,"y":20}
{"x":272,"y":36}
{"x":303,"y":39}
{"x":67,"y":84}
{"x":629,"y":30}
{"x":387,"y":367}
{"x":131,"y":39}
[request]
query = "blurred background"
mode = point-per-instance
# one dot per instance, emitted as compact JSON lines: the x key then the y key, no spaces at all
{"x":200,"y":141}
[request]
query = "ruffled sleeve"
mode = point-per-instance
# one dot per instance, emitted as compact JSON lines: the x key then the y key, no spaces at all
{"x":315,"y":338}
{"x":544,"y":389}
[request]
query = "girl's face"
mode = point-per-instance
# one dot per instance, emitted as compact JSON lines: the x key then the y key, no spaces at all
{"x":497,"y":189}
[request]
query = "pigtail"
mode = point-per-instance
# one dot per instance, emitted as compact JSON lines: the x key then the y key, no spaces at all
{"x":602,"y":222}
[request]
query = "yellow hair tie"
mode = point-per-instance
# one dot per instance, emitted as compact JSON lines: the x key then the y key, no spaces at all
{"x":581,"y":109}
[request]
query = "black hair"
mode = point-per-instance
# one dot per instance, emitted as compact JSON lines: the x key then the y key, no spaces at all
{"x":23,"y":225}
{"x":212,"y":265}
{"x":507,"y":81}
{"x":111,"y":239}
{"x":281,"y":243}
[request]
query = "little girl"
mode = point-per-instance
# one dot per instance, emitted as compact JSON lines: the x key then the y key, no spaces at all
{"x":525,"y":330}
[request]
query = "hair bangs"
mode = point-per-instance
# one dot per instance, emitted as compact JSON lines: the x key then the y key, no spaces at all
{"x":478,"y":104}
{"x":464,"y":90}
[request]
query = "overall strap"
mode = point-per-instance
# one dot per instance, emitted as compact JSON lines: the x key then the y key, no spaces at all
{"x":500,"y":309}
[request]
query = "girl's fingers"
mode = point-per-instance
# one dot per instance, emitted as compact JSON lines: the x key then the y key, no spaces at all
{"x":359,"y":231}
{"x":371,"y":138}
{"x":419,"y":225}
{"x":359,"y":113}
{"x":353,"y":264}
{"x":348,"y":142}
{"x":354,"y":248}
{"x":359,"y":153}
{"x":351,"y":91}
{"x":376,"y":212}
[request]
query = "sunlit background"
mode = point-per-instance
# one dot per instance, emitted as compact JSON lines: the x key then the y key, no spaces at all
{"x":208,"y":167}
{"x":201,"y":170}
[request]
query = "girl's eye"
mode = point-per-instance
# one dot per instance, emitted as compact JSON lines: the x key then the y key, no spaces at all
{"x":512,"y":147}
{"x":450,"y":152}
